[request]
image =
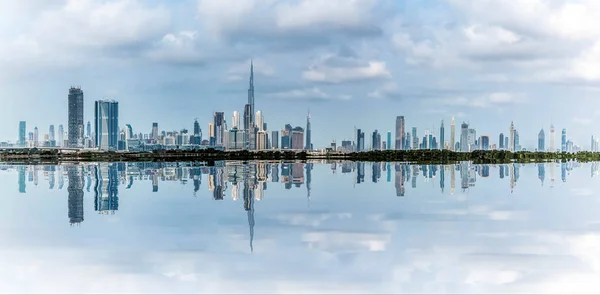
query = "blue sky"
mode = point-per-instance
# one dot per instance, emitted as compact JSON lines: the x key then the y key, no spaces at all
{"x":351,"y":62}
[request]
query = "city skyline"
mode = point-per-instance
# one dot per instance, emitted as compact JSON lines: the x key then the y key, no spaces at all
{"x":426,"y":62}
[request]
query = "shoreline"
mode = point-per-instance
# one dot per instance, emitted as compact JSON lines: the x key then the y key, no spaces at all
{"x":211,"y":155}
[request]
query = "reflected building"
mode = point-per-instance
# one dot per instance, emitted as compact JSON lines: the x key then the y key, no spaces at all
{"x":442,"y":180}
{"x":360,"y":172}
{"x":376,"y":173}
{"x":22,"y":185}
{"x":309,"y":168}
{"x":75,"y":190}
{"x":106,"y":190}
{"x":541,"y":172}
{"x":399,"y":180}
{"x":249,"y":208}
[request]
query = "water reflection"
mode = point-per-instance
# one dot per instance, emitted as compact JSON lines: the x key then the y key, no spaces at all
{"x":330,"y":227}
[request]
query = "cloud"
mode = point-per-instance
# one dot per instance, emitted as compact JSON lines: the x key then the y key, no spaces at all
{"x":335,"y":69}
{"x":494,"y":99}
{"x":313,"y":94}
{"x":177,"y":48}
{"x":287,"y":24}
{"x":582,"y":121}
{"x":387,"y":90}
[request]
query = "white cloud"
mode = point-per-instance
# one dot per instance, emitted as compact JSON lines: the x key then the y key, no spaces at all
{"x":495,"y":99}
{"x":317,"y":13}
{"x":339,"y":69}
{"x":179,"y":48}
{"x":385,"y":91}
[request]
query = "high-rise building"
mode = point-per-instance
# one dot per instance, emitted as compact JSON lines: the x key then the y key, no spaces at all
{"x":452,"y":134}
{"x":442,"y":135}
{"x":61,"y":136}
{"x":211,"y":134}
{"x":154,"y":134}
{"x":511,"y":146}
{"x":517,"y":146}
{"x":219,"y":128}
{"x":51,"y":133}
{"x":22,"y":133}
{"x":297,"y":138}
{"x":261,"y":139}
{"x":552,"y":147}
{"x":308,"y":134}
{"x":275,"y":139}
{"x":399,"y":133}
{"x":415,"y":139}
{"x":389,"y":140}
{"x":472,"y":139}
{"x":541,"y":141}
{"x":36,"y":137}
{"x":75,"y":120}
{"x":107,"y":124}
{"x":563,"y":141}
{"x":286,"y":137}
{"x":251,"y":95}
{"x":360,"y":140}
{"x":235,"y":120}
{"x":236,"y":139}
{"x":260,"y":120}
{"x":501,"y":141}
{"x":376,"y":140}
{"x":506,"y":142}
{"x":89,"y":129}
{"x":485,"y":142}
{"x":464,"y":132}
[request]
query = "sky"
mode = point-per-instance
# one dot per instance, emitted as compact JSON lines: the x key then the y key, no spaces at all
{"x":350,"y":62}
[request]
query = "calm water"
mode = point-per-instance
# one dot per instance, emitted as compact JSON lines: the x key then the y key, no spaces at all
{"x":300,"y":228}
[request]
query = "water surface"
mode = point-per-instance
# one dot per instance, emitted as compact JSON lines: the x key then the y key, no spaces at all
{"x":300,"y":228}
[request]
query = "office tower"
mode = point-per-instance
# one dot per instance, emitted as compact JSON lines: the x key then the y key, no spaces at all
{"x":107,"y":124}
{"x":542,"y":141}
{"x":129,"y":131}
{"x":472,"y":139}
{"x":485,"y":142}
{"x":308,"y":134}
{"x":452,"y":134}
{"x":552,"y":148}
{"x":563,"y":141}
{"x":517,"y":146}
{"x":275,"y":139}
{"x":399,"y":133}
{"x":297,"y":138}
{"x":415,"y":139}
{"x":51,"y":134}
{"x":501,"y":141}
{"x":88,"y":129}
{"x":235,"y":120}
{"x":106,"y":188}
{"x":430,"y":141}
{"x":389,"y":140}
{"x":511,"y":145}
{"x":154,"y":133}
{"x":22,"y":133}
{"x":408,"y":141}
{"x":360,"y":140}
{"x":35,"y":137}
{"x":61,"y":136}
{"x":251,"y":96}
{"x":376,"y":140}
{"x":219,"y":128}
{"x":261,"y":139}
{"x":286,"y":137}
{"x":260,"y":120}
{"x":442,"y":135}
{"x":75,"y":119}
{"x":464,"y":130}
{"x":75,"y":190}
{"x":211,"y":134}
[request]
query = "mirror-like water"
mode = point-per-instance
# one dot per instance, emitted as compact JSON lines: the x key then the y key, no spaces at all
{"x":300,"y":228}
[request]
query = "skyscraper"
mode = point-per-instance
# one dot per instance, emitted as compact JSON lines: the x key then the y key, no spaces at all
{"x":376,"y":140}
{"x":260,"y":120}
{"x":297,"y":138}
{"x":442,"y":136}
{"x":464,"y":130}
{"x":452,"y":134}
{"x":501,"y":141}
{"x":563,"y":141}
{"x":552,"y":147}
{"x":22,"y":133}
{"x":485,"y":142}
{"x":251,"y":96}
{"x":36,"y":136}
{"x":154,"y":134}
{"x":61,"y":136}
{"x":107,"y":124}
{"x":415,"y":139}
{"x":235,"y":120}
{"x":308,"y":135}
{"x":219,"y":128}
{"x":360,"y":140}
{"x":275,"y":139}
{"x":75,"y":120}
{"x":517,"y":146}
{"x":89,"y":129}
{"x":541,"y":141}
{"x":399,"y":133}
{"x":389,"y":140}
{"x":511,"y":145}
